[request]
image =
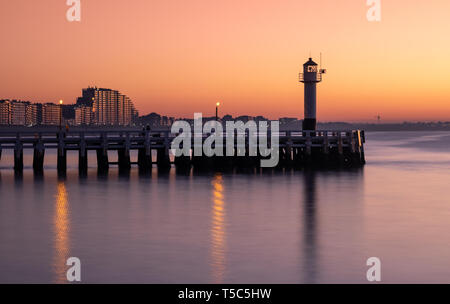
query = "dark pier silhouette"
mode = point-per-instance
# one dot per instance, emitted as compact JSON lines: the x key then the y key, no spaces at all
{"x":297,"y":149}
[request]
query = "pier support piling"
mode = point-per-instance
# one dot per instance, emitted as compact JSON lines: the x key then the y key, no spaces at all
{"x":289,"y":153}
{"x":341,"y":150}
{"x":38,"y":158}
{"x":326,"y":150}
{"x":102,"y":160}
{"x":162,"y":154}
{"x":298,"y":149}
{"x":124,"y":155}
{"x":361,"y":138}
{"x":162,"y":159}
{"x":18,"y":158}
{"x":144,"y":159}
{"x":38,"y":155}
{"x":62,"y":153}
{"x":18,"y":154}
{"x":124,"y":159}
{"x":82,"y":160}
{"x":102,"y":154}
{"x":82,"y":156}
{"x":182,"y":164}
{"x":355,"y":149}
{"x":62,"y":160}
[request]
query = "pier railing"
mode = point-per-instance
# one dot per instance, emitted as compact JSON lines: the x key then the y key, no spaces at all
{"x":301,"y":77}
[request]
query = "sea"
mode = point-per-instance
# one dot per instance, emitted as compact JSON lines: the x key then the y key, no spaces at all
{"x":272,"y":227}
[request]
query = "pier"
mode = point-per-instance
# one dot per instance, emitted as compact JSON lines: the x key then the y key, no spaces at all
{"x":297,"y":149}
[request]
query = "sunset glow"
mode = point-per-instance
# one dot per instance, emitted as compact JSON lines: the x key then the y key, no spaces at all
{"x":179,"y":57}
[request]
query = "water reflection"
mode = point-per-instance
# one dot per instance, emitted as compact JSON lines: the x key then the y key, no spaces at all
{"x":218,"y":233}
{"x":61,"y":222}
{"x":18,"y":176}
{"x":310,"y":227}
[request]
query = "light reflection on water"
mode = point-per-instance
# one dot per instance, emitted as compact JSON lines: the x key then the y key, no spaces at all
{"x":280,"y":227}
{"x":62,"y":237}
{"x":218,"y":230}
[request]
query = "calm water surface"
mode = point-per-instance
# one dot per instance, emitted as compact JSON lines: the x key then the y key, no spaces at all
{"x":293,"y":227}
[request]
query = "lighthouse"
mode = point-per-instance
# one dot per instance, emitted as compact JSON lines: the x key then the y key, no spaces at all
{"x":310,"y":77}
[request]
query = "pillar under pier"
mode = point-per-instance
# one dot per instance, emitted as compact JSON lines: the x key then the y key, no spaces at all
{"x":82,"y":156}
{"x":62,"y":153}
{"x":163,"y":159}
{"x":102,"y":160}
{"x":18,"y":158}
{"x":82,"y":161}
{"x":62,"y":160}
{"x":124,"y":159}
{"x":341,"y":157}
{"x":144,"y":159}
{"x":182,"y":164}
{"x":38,"y":159}
{"x":362,"y":139}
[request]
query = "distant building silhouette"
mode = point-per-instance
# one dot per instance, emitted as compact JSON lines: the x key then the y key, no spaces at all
{"x":87,"y":98}
{"x":260,"y":118}
{"x":244,"y":118}
{"x":227,"y":118}
{"x":287,"y":120}
{"x":155,"y":120}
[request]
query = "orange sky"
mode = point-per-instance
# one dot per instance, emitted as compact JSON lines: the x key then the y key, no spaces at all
{"x":177,"y":57}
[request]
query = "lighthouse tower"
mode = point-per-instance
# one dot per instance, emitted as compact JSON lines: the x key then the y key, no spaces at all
{"x":310,"y":77}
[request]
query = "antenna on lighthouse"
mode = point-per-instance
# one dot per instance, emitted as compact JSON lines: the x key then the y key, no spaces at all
{"x":321,"y":71}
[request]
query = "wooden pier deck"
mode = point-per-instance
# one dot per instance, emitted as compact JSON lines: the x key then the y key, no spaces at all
{"x":297,"y":149}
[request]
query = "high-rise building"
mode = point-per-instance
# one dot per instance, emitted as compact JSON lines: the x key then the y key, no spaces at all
{"x":106,"y":107}
{"x":37,"y":113}
{"x":68,"y":112}
{"x":33,"y":114}
{"x":87,"y":99}
{"x":96,"y":106}
{"x":51,"y":114}
{"x":19,"y":112}
{"x":109,"y":107}
{"x":83,"y":115}
{"x":5,"y":112}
